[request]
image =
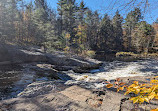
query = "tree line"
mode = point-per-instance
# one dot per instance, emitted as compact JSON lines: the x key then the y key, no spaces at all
{"x":74,"y":27}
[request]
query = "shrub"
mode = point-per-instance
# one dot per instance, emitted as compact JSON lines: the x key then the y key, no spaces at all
{"x":66,"y":49}
{"x":124,"y":54}
{"x":90,"y":53}
{"x":143,"y":92}
{"x":153,"y":54}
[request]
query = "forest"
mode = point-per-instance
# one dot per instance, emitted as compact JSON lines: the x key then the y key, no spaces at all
{"x":75,"y":28}
{"x":77,"y":58}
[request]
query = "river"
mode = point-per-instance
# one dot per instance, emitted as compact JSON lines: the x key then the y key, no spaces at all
{"x":15,"y":78}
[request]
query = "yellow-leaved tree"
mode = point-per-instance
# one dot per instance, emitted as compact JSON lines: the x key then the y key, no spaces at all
{"x":81,"y":37}
{"x":143,"y":92}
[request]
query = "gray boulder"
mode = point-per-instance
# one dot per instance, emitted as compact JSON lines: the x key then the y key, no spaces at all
{"x":75,"y":63}
{"x":4,"y":54}
{"x":16,"y":54}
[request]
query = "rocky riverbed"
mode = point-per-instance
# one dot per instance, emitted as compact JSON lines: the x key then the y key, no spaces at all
{"x":32,"y":82}
{"x":64,"y":82}
{"x":112,"y":70}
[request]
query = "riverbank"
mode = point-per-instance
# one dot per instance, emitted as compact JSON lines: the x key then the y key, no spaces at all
{"x":56,"y":96}
{"x":85,"y":91}
{"x":70,"y":83}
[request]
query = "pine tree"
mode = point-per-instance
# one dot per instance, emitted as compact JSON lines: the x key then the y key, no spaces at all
{"x":81,"y":13}
{"x":3,"y":19}
{"x":29,"y":24}
{"x":131,"y":21}
{"x":67,"y":11}
{"x":69,"y":17}
{"x":106,"y":38}
{"x":118,"y":31}
{"x":8,"y":14}
{"x":92,"y":21}
{"x":61,"y":8}
{"x":45,"y":24}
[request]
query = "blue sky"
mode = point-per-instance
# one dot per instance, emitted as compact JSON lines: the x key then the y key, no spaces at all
{"x":111,"y":6}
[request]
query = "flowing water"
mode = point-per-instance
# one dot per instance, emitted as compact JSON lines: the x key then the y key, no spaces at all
{"x":112,"y":70}
{"x":15,"y":78}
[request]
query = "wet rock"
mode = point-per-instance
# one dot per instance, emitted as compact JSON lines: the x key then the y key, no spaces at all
{"x":53,"y":74}
{"x":63,"y":68}
{"x":40,"y":88}
{"x":44,"y":70}
{"x":79,"y":70}
{"x":86,"y":68}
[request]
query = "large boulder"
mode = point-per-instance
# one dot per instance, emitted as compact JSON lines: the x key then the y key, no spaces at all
{"x":87,"y":68}
{"x":75,"y":63}
{"x":61,"y":61}
{"x":4,"y":54}
{"x":64,"y":60}
{"x":15,"y":54}
{"x":55,"y":96}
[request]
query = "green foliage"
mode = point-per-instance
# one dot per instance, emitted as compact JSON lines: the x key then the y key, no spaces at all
{"x":36,"y":23}
{"x":92,"y":20}
{"x":142,"y":36}
{"x":131,"y":21}
{"x":67,"y":10}
{"x":106,"y":34}
{"x":8,"y":16}
{"x":118,"y":31}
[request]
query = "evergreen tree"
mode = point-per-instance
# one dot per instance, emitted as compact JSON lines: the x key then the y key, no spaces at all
{"x":118,"y":31}
{"x":3,"y":19}
{"x":73,"y":27}
{"x":131,"y":21}
{"x":93,"y":21}
{"x":81,"y":13}
{"x":45,"y":23}
{"x":29,"y":24}
{"x":106,"y":38}
{"x":142,"y":37}
{"x":42,"y":8}
{"x":61,"y":8}
{"x":8,"y":17}
{"x":69,"y":17}
{"x":67,"y":11}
